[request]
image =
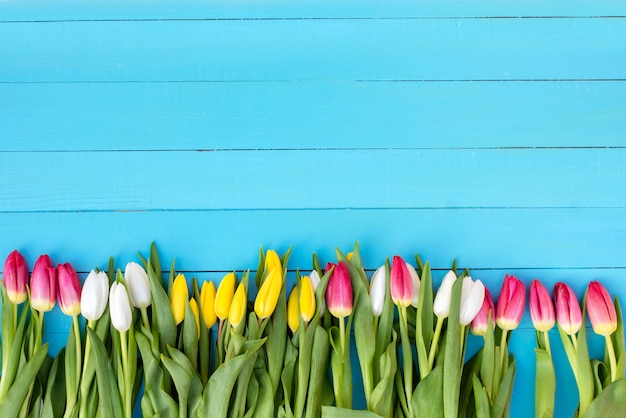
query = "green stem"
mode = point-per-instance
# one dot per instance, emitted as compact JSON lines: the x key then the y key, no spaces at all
{"x":613,"y":362}
{"x":546,"y":338}
{"x":503,"y":350}
{"x":434,"y":344}
{"x":79,"y":352}
{"x":342,"y":337}
{"x":127,"y":394}
{"x":407,"y":358}
{"x":84,"y":385}
{"x":144,"y":318}
{"x":574,"y":342}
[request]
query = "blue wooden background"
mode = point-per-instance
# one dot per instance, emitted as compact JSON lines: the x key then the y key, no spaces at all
{"x":493,"y":132}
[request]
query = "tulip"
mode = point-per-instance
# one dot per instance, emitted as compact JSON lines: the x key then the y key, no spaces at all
{"x":94,"y":297}
{"x":441,"y":305}
{"x":307,"y":299}
{"x":601,"y":310}
{"x":194,"y":308}
{"x":339,"y":290}
{"x":472,"y":298}
{"x":541,"y":307}
{"x":267,"y":298}
{"x":511,"y":301}
{"x":69,"y":290}
{"x":180,"y":295}
{"x":568,"y":314}
{"x":378,"y":287}
{"x":43,"y":285}
{"x":272,"y":262}
{"x":238,"y":306}
{"x":120,"y":310}
{"x":293,"y":311}
{"x":15,"y":277}
{"x":415,"y":279}
{"x":400,"y":283}
{"x":138,"y":285}
{"x":224,"y":296}
{"x":480,"y":322}
{"x":315,"y":281}
{"x":207,"y":300}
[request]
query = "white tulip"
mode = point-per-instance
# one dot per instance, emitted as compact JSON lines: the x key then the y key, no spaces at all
{"x":378,"y":287}
{"x":472,"y":296}
{"x":121,"y":314}
{"x":415,"y":279}
{"x":315,"y":281}
{"x":94,"y":297}
{"x":138,"y":285}
{"x":441,"y":306}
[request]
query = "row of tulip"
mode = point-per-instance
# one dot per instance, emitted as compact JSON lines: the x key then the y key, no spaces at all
{"x":272,"y":357}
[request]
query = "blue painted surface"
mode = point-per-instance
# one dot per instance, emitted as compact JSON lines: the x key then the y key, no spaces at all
{"x":493,"y":132}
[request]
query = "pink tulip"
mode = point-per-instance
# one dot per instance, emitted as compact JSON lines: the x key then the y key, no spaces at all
{"x":480,"y":322}
{"x":511,"y":303}
{"x":400,"y":283}
{"x":69,"y":290}
{"x":339,"y":290}
{"x":601,"y":310}
{"x":15,"y":277}
{"x":568,"y":314}
{"x":541,"y":307}
{"x":43,"y":285}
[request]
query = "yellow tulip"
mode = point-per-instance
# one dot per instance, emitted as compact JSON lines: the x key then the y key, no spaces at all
{"x":267,"y":298}
{"x":272,"y":262}
{"x":180,"y":295}
{"x":307,"y":299}
{"x":292,"y":311}
{"x":349,"y":256}
{"x":194,"y":308}
{"x":238,"y":307}
{"x":207,"y":300}
{"x":224,"y":296}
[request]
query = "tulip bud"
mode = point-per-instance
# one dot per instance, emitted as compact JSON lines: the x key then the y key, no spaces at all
{"x":95,"y":294}
{"x":238,"y":307}
{"x":272,"y":262}
{"x":315,"y":281}
{"x":307,"y":299}
{"x":15,"y":277}
{"x":120,"y":310}
{"x":207,"y":299}
{"x":541,"y":307}
{"x":568,"y":314}
{"x":480,"y":322}
{"x":400,"y":283}
{"x":443,"y":298}
{"x":511,"y":301}
{"x":378,"y":289}
{"x":138,"y":285}
{"x":293,"y":311}
{"x":415,"y":279}
{"x":224,"y":296}
{"x":601,"y":310}
{"x":339,"y":290}
{"x":69,"y":290}
{"x":43,"y":285}
{"x":472,"y":298}
{"x":180,"y":295}
{"x":268,"y":294}
{"x":194,"y":308}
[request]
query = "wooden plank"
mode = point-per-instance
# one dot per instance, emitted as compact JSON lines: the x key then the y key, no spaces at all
{"x":12,"y":10}
{"x":213,"y":116}
{"x":290,"y":179}
{"x":224,"y":240}
{"x":313,"y":49}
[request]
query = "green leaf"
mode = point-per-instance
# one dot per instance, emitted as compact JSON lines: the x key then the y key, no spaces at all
{"x":610,"y":403}
{"x":545,"y":383}
{"x":318,"y":381}
{"x":276,"y":331}
{"x":619,"y":343}
{"x":265,"y":402}
{"x":11,"y":405}
{"x":54,"y":399}
{"x":288,"y":374}
{"x":483,"y":408}
{"x":334,"y":412}
{"x":427,"y":399}
{"x":162,"y":316}
{"x":110,"y":402}
{"x":154,"y":393}
{"x":583,"y":366}
{"x":15,"y":347}
{"x":502,"y":400}
{"x":471,"y":368}
{"x":190,"y":335}
{"x":382,"y":399}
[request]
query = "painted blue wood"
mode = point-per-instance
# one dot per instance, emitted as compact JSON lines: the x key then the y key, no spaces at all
{"x":296,"y":179}
{"x":37,"y":10}
{"x":313,"y":49}
{"x":313,"y":115}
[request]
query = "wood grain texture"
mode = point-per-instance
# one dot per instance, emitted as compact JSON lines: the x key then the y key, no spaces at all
{"x":310,"y":115}
{"x":319,"y":49}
